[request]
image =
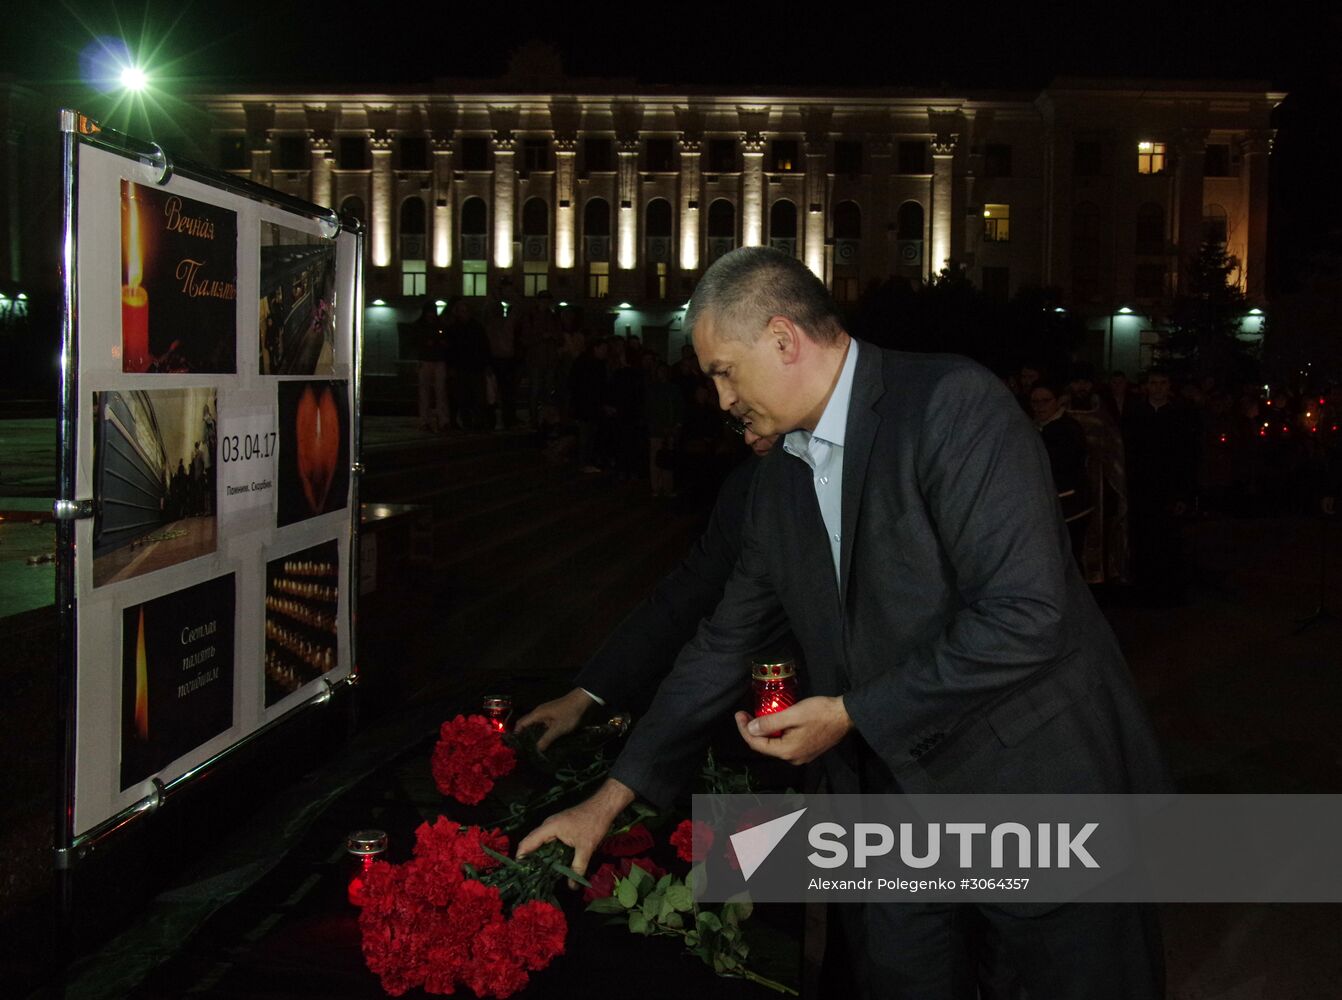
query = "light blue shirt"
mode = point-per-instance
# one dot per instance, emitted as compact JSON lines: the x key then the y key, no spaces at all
{"x":822,"y":450}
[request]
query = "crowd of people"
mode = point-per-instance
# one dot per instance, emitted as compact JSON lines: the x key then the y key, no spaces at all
{"x":1130,"y":459}
{"x":601,"y":402}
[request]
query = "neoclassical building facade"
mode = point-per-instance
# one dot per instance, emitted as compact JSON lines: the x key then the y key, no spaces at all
{"x":1101,"y":189}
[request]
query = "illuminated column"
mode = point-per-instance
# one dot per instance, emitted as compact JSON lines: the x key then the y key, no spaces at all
{"x":1188,"y":199}
{"x":813,"y":212}
{"x":442,"y":203}
{"x":1257,"y":147}
{"x":627,"y":221}
{"x":752,"y":190}
{"x":689,"y":203}
{"x":505,"y":196}
{"x":566,"y":148}
{"x":943,"y":195}
{"x":321,"y":172}
{"x":381,"y":210}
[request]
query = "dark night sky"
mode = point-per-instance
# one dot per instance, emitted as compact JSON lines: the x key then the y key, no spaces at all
{"x":1005,"y":44}
{"x":252,"y":44}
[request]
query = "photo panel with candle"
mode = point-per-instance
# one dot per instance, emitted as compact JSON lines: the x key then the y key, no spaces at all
{"x":179,"y":265}
{"x":296,"y":330}
{"x":302,"y":605}
{"x":154,"y":480}
{"x":314,"y":449}
{"x":176,"y":675}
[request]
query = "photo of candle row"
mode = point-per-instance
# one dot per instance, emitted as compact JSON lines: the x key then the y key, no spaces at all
{"x":301,"y":622}
{"x":302,"y":613}
{"x":305,"y":567}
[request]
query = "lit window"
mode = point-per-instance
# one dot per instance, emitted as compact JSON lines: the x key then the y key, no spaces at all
{"x":414,"y":277}
{"x":1150,"y":157}
{"x":535,"y":277}
{"x":598,"y":279}
{"x":473,"y":277}
{"x":997,"y":223}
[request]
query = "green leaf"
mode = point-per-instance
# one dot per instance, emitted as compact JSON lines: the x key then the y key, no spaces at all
{"x":675,"y":921}
{"x":638,"y":923}
{"x":641,"y":879}
{"x":708,"y":920}
{"x":568,"y":872}
{"x":696,"y":873}
{"x":691,"y":939}
{"x":607,"y":904}
{"x":626,"y":892}
{"x":652,"y":905}
{"x":664,"y":881}
{"x":737,"y":909}
{"x":680,"y":897}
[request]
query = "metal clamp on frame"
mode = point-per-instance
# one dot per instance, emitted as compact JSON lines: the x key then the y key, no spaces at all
{"x":72,"y":510}
{"x":163,"y":161}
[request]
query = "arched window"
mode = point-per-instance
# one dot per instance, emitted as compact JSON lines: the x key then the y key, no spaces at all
{"x":474,"y":246}
{"x":535,"y":217}
{"x":783,"y":227}
{"x":353,"y":207}
{"x":909,"y":221}
{"x":1215,"y":225}
{"x":658,"y":216}
{"x":414,"y":265}
{"x":596,"y":246}
{"x":721,"y":228}
{"x":1150,"y":229}
{"x":847,"y":221}
{"x":474,"y":217}
{"x":909,"y":234}
{"x":596,"y":218}
{"x":722,"y":219}
{"x":535,"y":246}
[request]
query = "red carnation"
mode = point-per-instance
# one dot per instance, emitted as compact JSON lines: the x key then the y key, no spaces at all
{"x":494,"y":970}
{"x":635,"y":840}
{"x":469,"y":755}
{"x":692,"y":840}
{"x":537,"y":931}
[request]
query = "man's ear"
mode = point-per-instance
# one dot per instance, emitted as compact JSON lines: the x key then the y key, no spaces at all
{"x":785,"y":339}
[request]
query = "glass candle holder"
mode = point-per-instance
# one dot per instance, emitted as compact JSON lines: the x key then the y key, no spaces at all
{"x":775,"y":685}
{"x":498,"y":709}
{"x":364,"y":847}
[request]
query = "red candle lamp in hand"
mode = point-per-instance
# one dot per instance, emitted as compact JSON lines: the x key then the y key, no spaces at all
{"x":364,"y":847}
{"x":498,"y":709}
{"x":775,"y":685}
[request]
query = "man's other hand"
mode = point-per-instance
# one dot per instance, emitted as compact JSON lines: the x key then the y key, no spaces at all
{"x":798,"y":734}
{"x":559,"y":716}
{"x":582,"y":827}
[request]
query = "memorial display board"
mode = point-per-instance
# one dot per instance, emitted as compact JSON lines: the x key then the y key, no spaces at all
{"x":208,"y":497}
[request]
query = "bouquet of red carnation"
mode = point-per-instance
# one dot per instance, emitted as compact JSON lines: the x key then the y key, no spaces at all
{"x":439,"y":922}
{"x":469,"y":755}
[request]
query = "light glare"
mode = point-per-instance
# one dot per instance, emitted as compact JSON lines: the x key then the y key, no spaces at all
{"x":134,"y":78}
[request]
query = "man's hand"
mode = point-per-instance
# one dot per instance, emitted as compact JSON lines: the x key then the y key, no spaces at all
{"x":582,"y":827}
{"x":559,"y":716}
{"x":801,"y":733}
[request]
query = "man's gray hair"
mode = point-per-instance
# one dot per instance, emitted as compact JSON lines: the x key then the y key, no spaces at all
{"x":744,"y":288}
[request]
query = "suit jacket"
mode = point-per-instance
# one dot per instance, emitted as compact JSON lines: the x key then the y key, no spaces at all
{"x":968,"y":651}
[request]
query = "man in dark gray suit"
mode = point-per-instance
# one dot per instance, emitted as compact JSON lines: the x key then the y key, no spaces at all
{"x":909,"y":530}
